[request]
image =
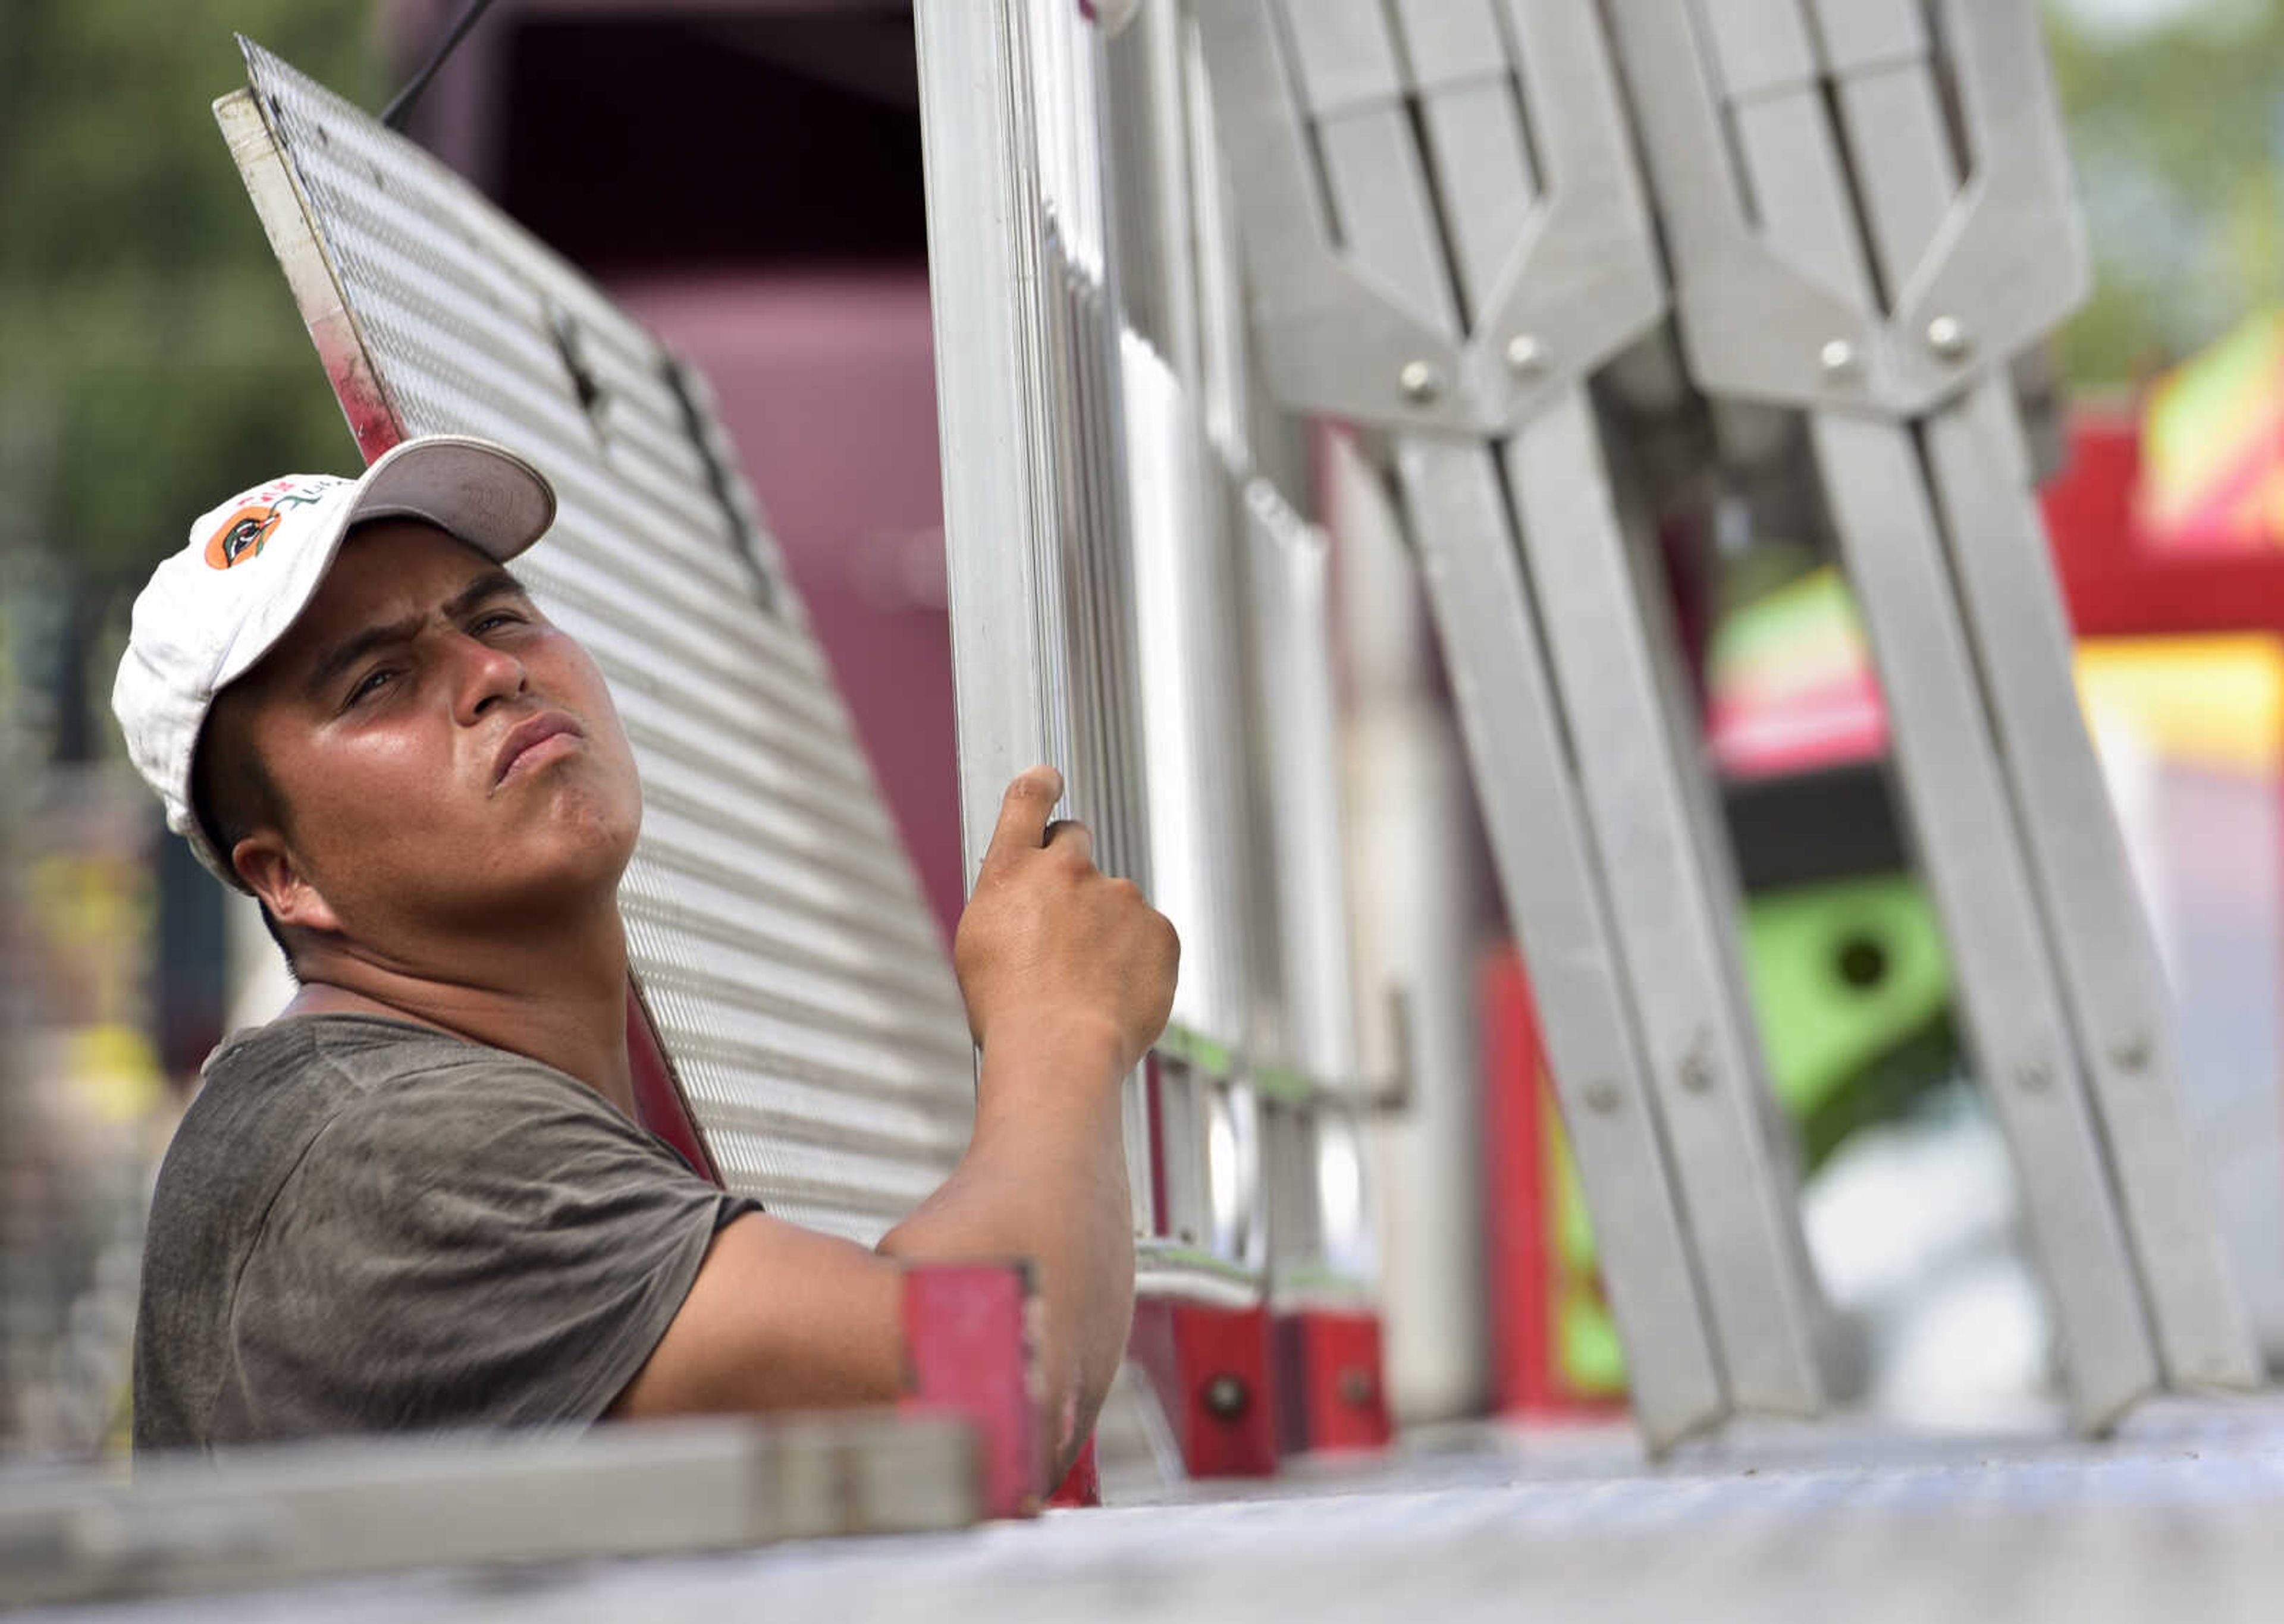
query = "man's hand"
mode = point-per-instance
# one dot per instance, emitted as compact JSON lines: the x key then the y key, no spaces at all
{"x":1068,"y":976}
{"x":1049,"y":943}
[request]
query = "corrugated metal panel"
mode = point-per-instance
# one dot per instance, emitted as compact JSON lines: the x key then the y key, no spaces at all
{"x":797,"y":981}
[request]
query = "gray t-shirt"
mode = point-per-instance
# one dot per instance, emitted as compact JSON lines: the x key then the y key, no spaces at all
{"x":366,"y":1225}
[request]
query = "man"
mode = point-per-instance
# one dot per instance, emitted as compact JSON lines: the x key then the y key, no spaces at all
{"x":418,"y":1198}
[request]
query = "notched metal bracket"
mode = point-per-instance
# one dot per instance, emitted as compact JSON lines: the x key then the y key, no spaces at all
{"x":1581,"y":284}
{"x":2008,"y":264}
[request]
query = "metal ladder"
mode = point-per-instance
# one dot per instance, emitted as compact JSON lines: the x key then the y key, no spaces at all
{"x":1134,"y":596}
{"x":1895,"y":267}
{"x":1447,"y":239}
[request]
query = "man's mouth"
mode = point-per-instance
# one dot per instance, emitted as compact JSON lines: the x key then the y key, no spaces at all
{"x":526,"y":745}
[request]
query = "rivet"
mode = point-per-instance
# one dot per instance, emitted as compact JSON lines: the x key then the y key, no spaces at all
{"x":1838,"y":358}
{"x":1356,"y":1387}
{"x":1225,"y":1396}
{"x":1697,"y":1073}
{"x":2032,"y":1077}
{"x":1947,"y":336}
{"x":2130,"y":1053}
{"x":1602,"y":1097}
{"x":1421,"y":383}
{"x":1526,"y":356}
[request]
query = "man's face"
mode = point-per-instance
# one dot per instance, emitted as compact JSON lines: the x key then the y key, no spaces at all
{"x":445,"y":759}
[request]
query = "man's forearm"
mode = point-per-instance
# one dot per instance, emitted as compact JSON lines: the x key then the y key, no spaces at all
{"x":1044,"y":1178}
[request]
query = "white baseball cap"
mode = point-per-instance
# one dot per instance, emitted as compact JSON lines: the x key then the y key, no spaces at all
{"x":212,"y":610}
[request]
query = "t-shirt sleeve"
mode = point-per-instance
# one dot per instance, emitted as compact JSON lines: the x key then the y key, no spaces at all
{"x":459,"y":1251}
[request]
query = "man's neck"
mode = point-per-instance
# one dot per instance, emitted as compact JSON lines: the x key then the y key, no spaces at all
{"x":562,"y":1001}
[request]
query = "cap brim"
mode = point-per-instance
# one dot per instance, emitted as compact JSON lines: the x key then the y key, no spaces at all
{"x":483,"y":493}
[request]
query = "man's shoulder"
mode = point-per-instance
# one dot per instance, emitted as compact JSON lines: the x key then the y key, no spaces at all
{"x":270,"y":1092}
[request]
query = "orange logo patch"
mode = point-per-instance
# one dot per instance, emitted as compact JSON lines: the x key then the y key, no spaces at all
{"x":242,"y":535}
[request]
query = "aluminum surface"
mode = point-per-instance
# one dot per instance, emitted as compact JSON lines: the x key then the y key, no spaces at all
{"x":1040,"y":507}
{"x":1344,"y":337}
{"x":1552,"y":879}
{"x":1098,"y":418}
{"x":2175,"y":1520}
{"x":277,"y":1515}
{"x":1876,"y":488}
{"x":1289,"y":616}
{"x":1672,"y":899}
{"x":1493,"y":93}
{"x":800,"y":988}
{"x":1758,"y":318}
{"x":1185,"y":604}
{"x":1980,"y":465}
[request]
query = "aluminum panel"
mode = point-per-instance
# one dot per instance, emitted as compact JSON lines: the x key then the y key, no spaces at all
{"x":1291,"y":622}
{"x":1185,"y":607}
{"x":1094,"y":515}
{"x":799,"y":987}
{"x":1031,"y":413}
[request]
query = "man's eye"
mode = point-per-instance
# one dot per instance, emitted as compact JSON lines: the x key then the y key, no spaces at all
{"x":497,"y":617}
{"x":371,"y":685}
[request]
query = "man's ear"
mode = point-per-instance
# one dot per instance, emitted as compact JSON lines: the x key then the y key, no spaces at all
{"x":263,"y":861}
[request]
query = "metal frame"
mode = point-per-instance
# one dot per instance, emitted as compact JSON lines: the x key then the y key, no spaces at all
{"x":1037,"y":376}
{"x":1103,"y":497}
{"x":300,"y":1512}
{"x":1625,"y":906}
{"x":2057,"y":979}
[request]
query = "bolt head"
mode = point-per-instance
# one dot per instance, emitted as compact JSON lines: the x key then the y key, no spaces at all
{"x":2033,"y":1076}
{"x":1602,"y":1097}
{"x":1948,"y":337}
{"x":1526,"y":356}
{"x":1356,"y":1387}
{"x":2130,"y":1054}
{"x":1697,"y":1073}
{"x":1226,"y":1396}
{"x":1421,"y":383}
{"x":1838,"y":359}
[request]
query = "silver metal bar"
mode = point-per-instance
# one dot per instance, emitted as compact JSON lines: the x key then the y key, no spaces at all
{"x":1031,"y":525}
{"x":1460,"y":524}
{"x":1676,"y":921}
{"x":1974,"y":449}
{"x":1185,"y":596}
{"x":1876,"y":490}
{"x":1964,"y":832}
{"x":1573,"y":290}
{"x":273,"y":1516}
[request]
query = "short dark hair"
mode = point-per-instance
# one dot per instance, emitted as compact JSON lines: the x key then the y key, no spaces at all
{"x":232,"y":794}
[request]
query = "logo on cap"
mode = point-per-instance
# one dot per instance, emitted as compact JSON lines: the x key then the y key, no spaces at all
{"x":242,"y":535}
{"x":258,"y":514}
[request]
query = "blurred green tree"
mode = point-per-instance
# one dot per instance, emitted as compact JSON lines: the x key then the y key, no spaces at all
{"x":150,"y":361}
{"x":2178,"y":132}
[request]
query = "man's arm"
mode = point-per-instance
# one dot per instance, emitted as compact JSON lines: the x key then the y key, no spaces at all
{"x":1068,"y":976}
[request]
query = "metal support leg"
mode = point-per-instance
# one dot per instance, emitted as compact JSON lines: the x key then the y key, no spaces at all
{"x":1583,"y":771}
{"x":1459,"y":516}
{"x":1887,"y":294}
{"x":1892,"y":121}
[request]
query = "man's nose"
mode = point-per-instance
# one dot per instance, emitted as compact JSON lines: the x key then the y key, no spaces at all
{"x":485,"y":674}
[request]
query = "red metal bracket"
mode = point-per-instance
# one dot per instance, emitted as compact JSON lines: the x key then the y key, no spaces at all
{"x":968,"y":1352}
{"x":1331,"y":1392}
{"x":1083,"y":1485}
{"x":1209,"y":1368}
